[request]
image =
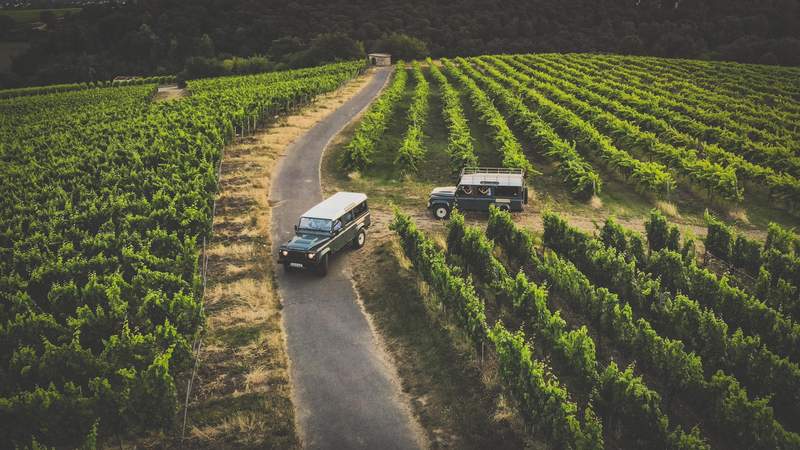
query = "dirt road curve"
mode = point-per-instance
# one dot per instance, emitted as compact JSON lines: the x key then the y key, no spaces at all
{"x":345,"y":390}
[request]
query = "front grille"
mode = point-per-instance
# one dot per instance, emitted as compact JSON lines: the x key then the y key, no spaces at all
{"x":296,"y":256}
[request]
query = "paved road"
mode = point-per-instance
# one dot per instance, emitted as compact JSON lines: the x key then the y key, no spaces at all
{"x":344,"y":391}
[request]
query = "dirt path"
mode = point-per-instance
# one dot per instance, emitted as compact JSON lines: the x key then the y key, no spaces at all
{"x":169,"y":92}
{"x":242,"y":395}
{"x":345,"y":388}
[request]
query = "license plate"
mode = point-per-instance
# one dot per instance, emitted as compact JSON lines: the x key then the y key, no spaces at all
{"x":298,"y":265}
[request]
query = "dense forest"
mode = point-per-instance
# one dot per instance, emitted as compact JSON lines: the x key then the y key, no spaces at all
{"x":160,"y":36}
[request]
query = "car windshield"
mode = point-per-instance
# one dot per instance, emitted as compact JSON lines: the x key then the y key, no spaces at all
{"x":308,"y":223}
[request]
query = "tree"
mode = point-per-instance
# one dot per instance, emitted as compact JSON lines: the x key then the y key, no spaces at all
{"x":284,"y":46}
{"x":675,"y":43}
{"x":205,"y":46}
{"x":328,"y":47}
{"x":768,"y":58}
{"x":403,"y":46}
{"x":140,"y":44}
{"x":337,"y":46}
{"x":631,"y":45}
{"x":107,"y":30}
{"x":788,"y":51}
{"x":199,"y":67}
{"x":368,"y":31}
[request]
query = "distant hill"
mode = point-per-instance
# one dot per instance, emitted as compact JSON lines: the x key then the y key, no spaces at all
{"x":152,"y":36}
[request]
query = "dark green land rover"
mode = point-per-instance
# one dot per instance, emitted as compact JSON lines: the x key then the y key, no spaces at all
{"x":330,"y":226}
{"x":478,"y":188}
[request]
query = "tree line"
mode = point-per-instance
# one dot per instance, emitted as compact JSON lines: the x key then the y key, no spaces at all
{"x":159,"y":37}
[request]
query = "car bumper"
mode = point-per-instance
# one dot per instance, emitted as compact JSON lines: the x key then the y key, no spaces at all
{"x":434,"y":203}
{"x":296,"y":259}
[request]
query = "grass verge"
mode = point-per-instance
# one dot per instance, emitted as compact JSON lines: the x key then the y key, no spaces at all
{"x":458,"y":403}
{"x":241,"y":397}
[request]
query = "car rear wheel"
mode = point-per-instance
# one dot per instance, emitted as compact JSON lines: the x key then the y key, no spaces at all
{"x":503,"y":207}
{"x":441,"y":212}
{"x":322,"y":267}
{"x":361,"y":239}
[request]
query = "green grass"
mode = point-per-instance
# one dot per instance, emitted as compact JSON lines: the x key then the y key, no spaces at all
{"x":239,"y":336}
{"x":383,"y":166}
{"x":438,"y":373}
{"x":456,"y":402}
{"x":435,"y":167}
{"x":233,"y":417}
{"x":27,"y":16}
{"x":382,"y":181}
{"x":485,"y":150}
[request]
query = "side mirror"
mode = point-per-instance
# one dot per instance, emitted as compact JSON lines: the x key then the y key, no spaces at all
{"x":295,"y":228}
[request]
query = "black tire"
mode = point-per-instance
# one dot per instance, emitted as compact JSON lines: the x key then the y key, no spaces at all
{"x":322,"y":267}
{"x":360,"y":240}
{"x":441,"y":212}
{"x":504,"y":207}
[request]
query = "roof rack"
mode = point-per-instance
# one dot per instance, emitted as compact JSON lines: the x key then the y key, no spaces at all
{"x":492,"y":170}
{"x":501,"y":176}
{"x":335,"y":205}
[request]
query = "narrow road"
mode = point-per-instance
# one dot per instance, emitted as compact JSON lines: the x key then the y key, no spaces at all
{"x":344,"y":388}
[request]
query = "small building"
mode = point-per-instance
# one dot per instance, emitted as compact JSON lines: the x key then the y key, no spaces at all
{"x":380,"y":59}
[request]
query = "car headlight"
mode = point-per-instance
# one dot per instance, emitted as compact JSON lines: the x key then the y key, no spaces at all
{"x":311,"y":255}
{"x":284,"y":253}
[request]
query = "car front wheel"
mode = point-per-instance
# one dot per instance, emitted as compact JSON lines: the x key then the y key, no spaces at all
{"x":441,"y":212}
{"x":361,"y":239}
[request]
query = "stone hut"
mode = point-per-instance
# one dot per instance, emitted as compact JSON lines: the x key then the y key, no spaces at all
{"x":380,"y":59}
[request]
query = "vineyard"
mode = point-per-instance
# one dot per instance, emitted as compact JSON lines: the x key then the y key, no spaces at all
{"x":647,"y":297}
{"x":54,"y":88}
{"x":108,"y":200}
{"x":685,"y":132}
{"x":675,"y":336}
{"x":621,"y":340}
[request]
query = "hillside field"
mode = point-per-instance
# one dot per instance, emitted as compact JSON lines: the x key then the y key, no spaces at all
{"x":647,"y":297}
{"x":108,"y":202}
{"x":651,"y":290}
{"x":631,"y":132}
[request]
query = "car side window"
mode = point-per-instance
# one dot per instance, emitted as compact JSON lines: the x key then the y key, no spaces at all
{"x":337,"y":225}
{"x":359,"y":209}
{"x":347,"y":217}
{"x":508,"y":191}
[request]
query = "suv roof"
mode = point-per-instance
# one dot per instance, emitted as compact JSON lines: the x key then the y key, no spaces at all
{"x":497,"y":176}
{"x":334,"y":206}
